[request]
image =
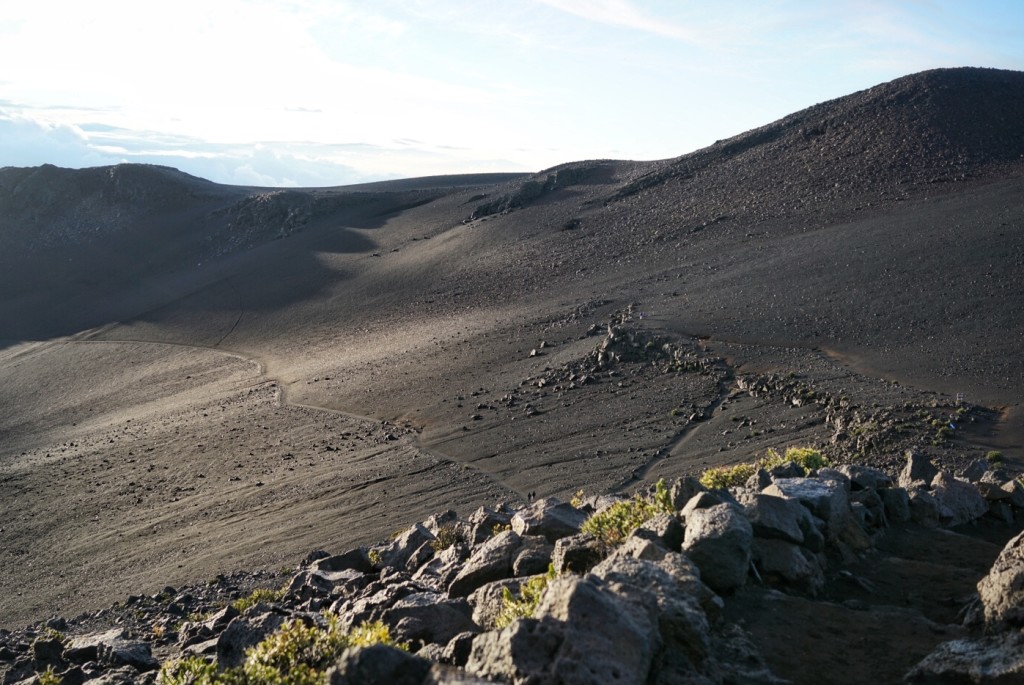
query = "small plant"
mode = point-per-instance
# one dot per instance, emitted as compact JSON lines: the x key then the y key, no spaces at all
{"x":49,"y":677}
{"x":297,"y":654}
{"x":193,"y":670}
{"x":578,"y":499}
{"x":723,"y":477}
{"x":994,"y":457}
{"x":614,"y":524}
{"x":257,"y":596}
{"x":52,"y":634}
{"x":447,"y":536}
{"x":525,"y":604}
{"x":500,"y":528}
{"x":375,"y":558}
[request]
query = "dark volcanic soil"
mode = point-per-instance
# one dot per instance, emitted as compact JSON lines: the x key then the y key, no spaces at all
{"x":199,"y":378}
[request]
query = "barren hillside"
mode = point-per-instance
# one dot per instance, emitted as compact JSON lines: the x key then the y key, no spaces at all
{"x":193,"y":374}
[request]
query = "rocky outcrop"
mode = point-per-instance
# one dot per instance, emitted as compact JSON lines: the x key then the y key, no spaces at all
{"x":520,"y":595}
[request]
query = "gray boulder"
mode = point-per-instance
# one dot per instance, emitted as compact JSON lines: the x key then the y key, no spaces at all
{"x":683,"y":490}
{"x":785,"y":564}
{"x":533,"y":556}
{"x":429,"y":617}
{"x":683,"y":625}
{"x":924,"y":508}
{"x":665,"y":528}
{"x":774,"y":517}
{"x":718,"y":541}
{"x":246,"y":631}
{"x":975,"y":470}
{"x":378,"y":664}
{"x":996,"y":660}
{"x":488,"y":600}
{"x":86,"y":648}
{"x":548,"y":517}
{"x":456,"y":652}
{"x":410,"y":550}
{"x":584,"y":634}
{"x":440,"y":571}
{"x":577,"y":553}
{"x":897,"y":504}
{"x":959,"y":501}
{"x":355,"y":559}
{"x":1015,"y":491}
{"x":918,"y":471}
{"x":865,"y":477}
{"x":490,"y":561}
{"x":1002,"y":590}
{"x":828,"y":499}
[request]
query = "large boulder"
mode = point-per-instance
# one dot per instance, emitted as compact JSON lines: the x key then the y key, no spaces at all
{"x":490,"y":561}
{"x":440,"y":571}
{"x":865,"y":477}
{"x":583,"y":634}
{"x":429,"y":617}
{"x":683,"y":624}
{"x":996,"y":660}
{"x":1002,"y":590}
{"x":533,"y":556}
{"x":548,"y":517}
{"x":918,"y":471}
{"x":718,"y":540}
{"x":410,"y":550}
{"x":785,"y":564}
{"x":378,"y":664}
{"x":828,"y":499}
{"x":244,"y":632}
{"x":774,"y":517}
{"x":959,"y":501}
{"x":488,"y":600}
{"x":577,"y":553}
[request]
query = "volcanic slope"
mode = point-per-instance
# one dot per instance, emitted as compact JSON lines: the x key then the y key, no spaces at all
{"x":228,"y":339}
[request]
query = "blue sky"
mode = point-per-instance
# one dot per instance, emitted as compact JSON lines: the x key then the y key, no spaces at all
{"x":329,"y":92}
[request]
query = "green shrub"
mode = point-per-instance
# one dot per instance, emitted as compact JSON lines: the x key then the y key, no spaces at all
{"x":994,"y":457}
{"x":257,"y":596}
{"x":614,"y":524}
{"x":375,"y":558}
{"x":296,"y":654}
{"x":447,"y":535}
{"x":727,"y":476}
{"x":807,"y":458}
{"x":525,"y":604}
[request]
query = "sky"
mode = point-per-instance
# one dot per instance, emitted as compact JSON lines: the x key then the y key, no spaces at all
{"x":332,"y":92}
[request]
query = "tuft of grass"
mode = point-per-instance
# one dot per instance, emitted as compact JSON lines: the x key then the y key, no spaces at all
{"x":500,"y":528}
{"x":994,"y":457}
{"x":257,"y":596}
{"x":296,"y":654}
{"x":447,"y":536}
{"x":375,"y":558}
{"x":525,"y":604}
{"x":614,"y":524}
